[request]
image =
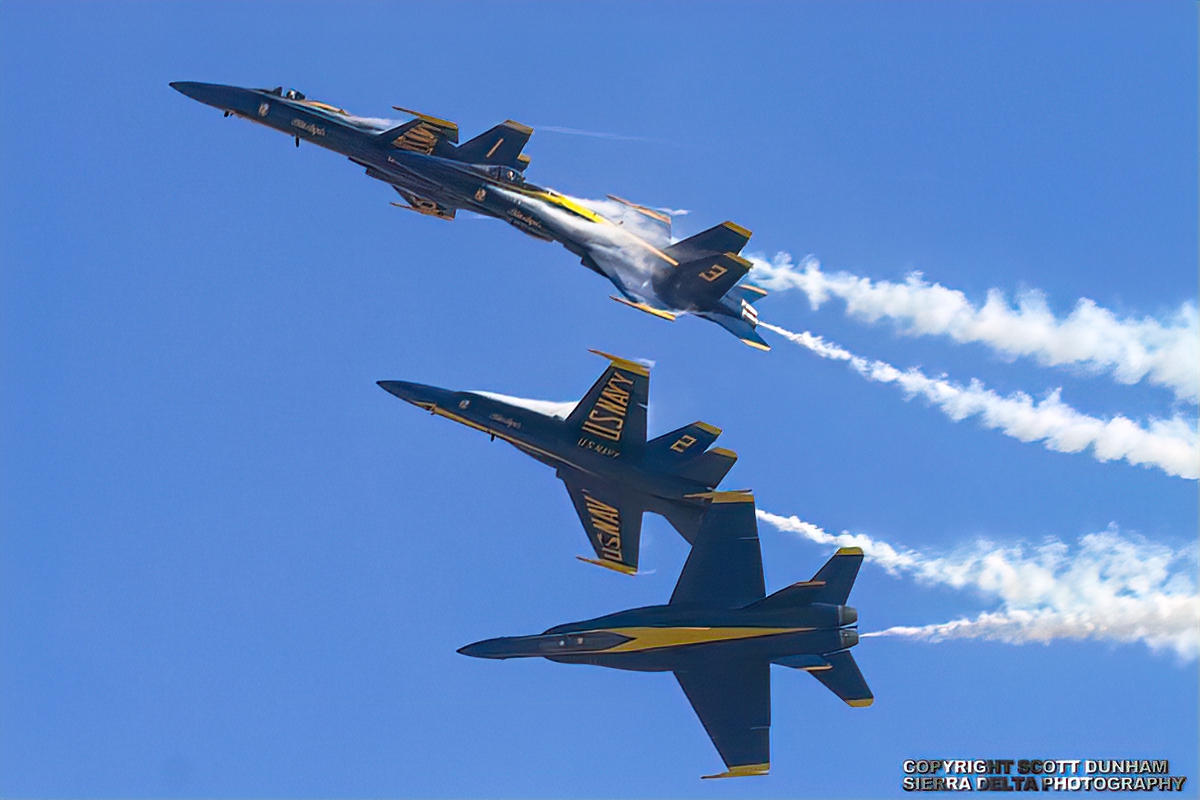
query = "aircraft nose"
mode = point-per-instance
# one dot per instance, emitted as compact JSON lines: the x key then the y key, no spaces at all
{"x":229,"y":98}
{"x":489,"y":648}
{"x":416,"y":393}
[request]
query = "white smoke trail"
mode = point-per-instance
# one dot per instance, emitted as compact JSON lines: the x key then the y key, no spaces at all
{"x":1110,"y":586}
{"x":619,"y":137}
{"x":1163,"y":352}
{"x":1169,"y":444}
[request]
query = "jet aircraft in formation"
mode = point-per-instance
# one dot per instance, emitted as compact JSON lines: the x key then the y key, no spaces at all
{"x":720,"y":633}
{"x":599,"y":450}
{"x":628,"y":244}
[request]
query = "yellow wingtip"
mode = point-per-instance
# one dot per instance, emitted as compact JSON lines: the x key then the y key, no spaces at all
{"x":713,"y":429}
{"x":624,"y":363}
{"x":849,"y":551}
{"x":721,"y":451}
{"x":525,"y":129}
{"x":742,"y":771}
{"x":738,"y":496}
{"x":861,"y":703}
{"x":766,"y":348}
{"x":667,"y":315}
{"x":624,"y":569}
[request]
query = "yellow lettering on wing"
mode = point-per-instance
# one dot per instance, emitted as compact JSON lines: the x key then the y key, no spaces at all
{"x":606,"y":520}
{"x":713,"y":272}
{"x":615,"y":400}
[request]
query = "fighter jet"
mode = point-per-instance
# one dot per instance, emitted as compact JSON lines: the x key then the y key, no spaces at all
{"x":720,"y":634}
{"x":598,"y":448}
{"x":629,"y":244}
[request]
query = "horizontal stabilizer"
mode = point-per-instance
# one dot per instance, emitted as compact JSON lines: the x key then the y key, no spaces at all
{"x":804,"y":661}
{"x":749,"y":292}
{"x":680,"y":445}
{"x":844,"y":679}
{"x":739,"y":328}
{"x":724,"y":238}
{"x":709,"y":468}
{"x":838,"y":575}
{"x":831,"y":585}
{"x":699,"y":284}
{"x":501,"y":146}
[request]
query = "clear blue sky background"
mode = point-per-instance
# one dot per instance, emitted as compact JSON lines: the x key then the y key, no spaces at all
{"x":233,"y":566}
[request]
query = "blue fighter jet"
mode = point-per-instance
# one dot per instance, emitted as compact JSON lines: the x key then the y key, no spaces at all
{"x":628,"y":244}
{"x":720,"y":633}
{"x":599,"y":450}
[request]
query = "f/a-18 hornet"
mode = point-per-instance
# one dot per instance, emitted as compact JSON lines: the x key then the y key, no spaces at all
{"x":598,"y":448}
{"x":720,"y":634}
{"x":421,"y":159}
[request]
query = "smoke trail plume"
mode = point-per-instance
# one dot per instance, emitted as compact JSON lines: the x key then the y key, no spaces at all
{"x":1169,"y":444}
{"x":1109,"y":587}
{"x":1163,"y":352}
{"x":619,"y":137}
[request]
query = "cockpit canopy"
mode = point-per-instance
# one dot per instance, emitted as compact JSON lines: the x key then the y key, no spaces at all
{"x":504,"y":174}
{"x":290,"y":94}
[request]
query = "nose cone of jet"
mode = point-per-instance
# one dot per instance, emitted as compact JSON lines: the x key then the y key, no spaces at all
{"x":417,"y":393}
{"x":227,"y":98}
{"x":494,"y":648}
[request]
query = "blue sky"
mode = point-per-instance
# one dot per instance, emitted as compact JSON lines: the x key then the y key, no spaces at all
{"x":233,"y":566}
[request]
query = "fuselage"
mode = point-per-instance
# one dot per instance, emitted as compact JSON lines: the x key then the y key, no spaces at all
{"x":543,"y":435}
{"x":665,"y":638}
{"x":630,"y":261}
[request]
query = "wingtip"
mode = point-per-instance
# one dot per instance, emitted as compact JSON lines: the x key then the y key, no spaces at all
{"x":736,"y":496}
{"x":624,"y":569}
{"x":861,"y":703}
{"x":742,"y":771}
{"x":849,"y":551}
{"x":624,"y":363}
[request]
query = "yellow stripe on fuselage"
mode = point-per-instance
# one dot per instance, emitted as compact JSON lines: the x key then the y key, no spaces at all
{"x":656,"y":638}
{"x":441,"y":412}
{"x":554,"y":198}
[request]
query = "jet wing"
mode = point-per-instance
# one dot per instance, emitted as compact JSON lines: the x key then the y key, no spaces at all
{"x":423,"y":205}
{"x":733,"y":701}
{"x":611,"y":517}
{"x":724,"y":569}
